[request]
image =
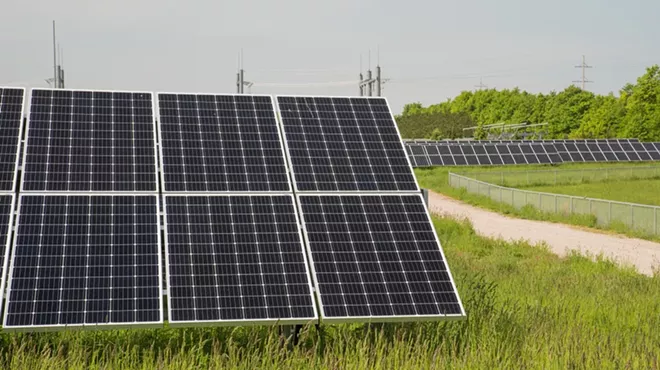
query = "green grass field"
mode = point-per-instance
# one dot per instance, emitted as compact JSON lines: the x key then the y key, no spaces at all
{"x":634,"y":191}
{"x":436,"y":179}
{"x":526,"y":308}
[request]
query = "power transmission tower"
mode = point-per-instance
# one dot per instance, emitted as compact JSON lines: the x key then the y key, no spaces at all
{"x":58,"y":71}
{"x":368,"y":85}
{"x":584,"y":67}
{"x":481,"y":85}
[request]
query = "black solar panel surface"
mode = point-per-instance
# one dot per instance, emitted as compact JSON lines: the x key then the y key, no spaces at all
{"x":345,"y":144}
{"x":90,"y":141}
{"x":85,"y":260}
{"x":235,"y":259}
{"x":11,"y":119}
{"x":377,"y":256}
{"x":6,"y":203}
{"x":221,"y":143}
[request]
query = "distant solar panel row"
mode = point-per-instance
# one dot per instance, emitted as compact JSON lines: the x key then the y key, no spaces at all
{"x":482,"y":154}
{"x":425,"y":155}
{"x":540,"y":141}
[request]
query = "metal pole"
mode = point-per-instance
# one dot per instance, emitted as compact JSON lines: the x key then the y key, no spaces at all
{"x":369,"y":84}
{"x":377,"y":80}
{"x":556,"y":206}
{"x":241,"y":82}
{"x":55,"y":76}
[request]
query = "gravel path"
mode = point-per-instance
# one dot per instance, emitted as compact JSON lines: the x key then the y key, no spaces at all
{"x":643,"y":254}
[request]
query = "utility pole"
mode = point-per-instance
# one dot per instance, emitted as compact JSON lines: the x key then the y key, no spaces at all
{"x":56,"y":77}
{"x":240,"y":77}
{"x":583,"y":66}
{"x":481,"y":85}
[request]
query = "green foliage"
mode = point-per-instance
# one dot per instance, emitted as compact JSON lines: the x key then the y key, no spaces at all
{"x":570,"y":113}
{"x":436,"y":125}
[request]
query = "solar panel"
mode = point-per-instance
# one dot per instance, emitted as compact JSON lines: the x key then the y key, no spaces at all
{"x":236,"y":259}
{"x":85,"y":261}
{"x":11,"y":122}
{"x":6,"y":217}
{"x":90,"y":141}
{"x":377,"y":258}
{"x":220,"y":143}
{"x":344,"y":144}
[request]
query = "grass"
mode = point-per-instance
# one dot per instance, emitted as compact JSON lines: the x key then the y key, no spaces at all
{"x":436,"y":179}
{"x":527,"y":308}
{"x":633,"y":191}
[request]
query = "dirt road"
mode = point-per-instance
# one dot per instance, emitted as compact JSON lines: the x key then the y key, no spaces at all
{"x":643,"y":254}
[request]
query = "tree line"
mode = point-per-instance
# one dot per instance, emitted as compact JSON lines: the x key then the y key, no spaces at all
{"x":572,"y":113}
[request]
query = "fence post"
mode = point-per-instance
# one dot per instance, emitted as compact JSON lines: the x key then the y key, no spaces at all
{"x":655,"y":221}
{"x":555,"y":177}
{"x":590,"y":207}
{"x":556,"y":206}
{"x":632,"y":216}
{"x":607,"y":174}
{"x":571,"y":205}
{"x":609,"y":216}
{"x":501,"y":178}
{"x":527,"y":177}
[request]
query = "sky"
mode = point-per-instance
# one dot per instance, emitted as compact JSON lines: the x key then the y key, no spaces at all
{"x":429,"y":50}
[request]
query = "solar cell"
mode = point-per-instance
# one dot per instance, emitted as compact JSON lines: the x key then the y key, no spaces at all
{"x":236,"y":259}
{"x":377,"y":258}
{"x":85,"y":260}
{"x":90,"y":141}
{"x":225,"y":143}
{"x":6,"y":217}
{"x":11,"y":122}
{"x":344,"y":144}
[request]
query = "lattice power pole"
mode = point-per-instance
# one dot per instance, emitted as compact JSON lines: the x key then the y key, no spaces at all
{"x":481,"y":85}
{"x":584,"y":67}
{"x":371,"y":84}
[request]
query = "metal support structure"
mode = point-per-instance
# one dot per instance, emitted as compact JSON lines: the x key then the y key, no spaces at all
{"x":55,"y":74}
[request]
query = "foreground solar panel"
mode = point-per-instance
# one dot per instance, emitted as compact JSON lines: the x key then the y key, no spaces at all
{"x":220,"y":143}
{"x":11,"y":121}
{"x":85,"y":261}
{"x":344,"y":144}
{"x":6,"y":212}
{"x":90,"y":141}
{"x":377,"y":258}
{"x":236,"y":260}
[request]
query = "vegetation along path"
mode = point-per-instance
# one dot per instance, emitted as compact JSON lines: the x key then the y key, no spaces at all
{"x":561,"y":239}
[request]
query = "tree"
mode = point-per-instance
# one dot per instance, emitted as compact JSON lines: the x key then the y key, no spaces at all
{"x":603,"y":120}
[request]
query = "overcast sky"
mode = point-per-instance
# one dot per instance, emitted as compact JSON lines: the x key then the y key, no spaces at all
{"x":431,"y":50}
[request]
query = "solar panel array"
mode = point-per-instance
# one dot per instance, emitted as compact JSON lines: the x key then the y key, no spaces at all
{"x":12,"y":101}
{"x":235,"y":254}
{"x":478,"y":153}
{"x":374,"y":253}
{"x":353,"y":243}
{"x":87,"y":242}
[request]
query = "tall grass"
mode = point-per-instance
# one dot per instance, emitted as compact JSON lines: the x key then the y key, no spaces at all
{"x":526,"y":308}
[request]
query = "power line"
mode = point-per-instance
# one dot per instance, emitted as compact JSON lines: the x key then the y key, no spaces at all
{"x":583,"y":66}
